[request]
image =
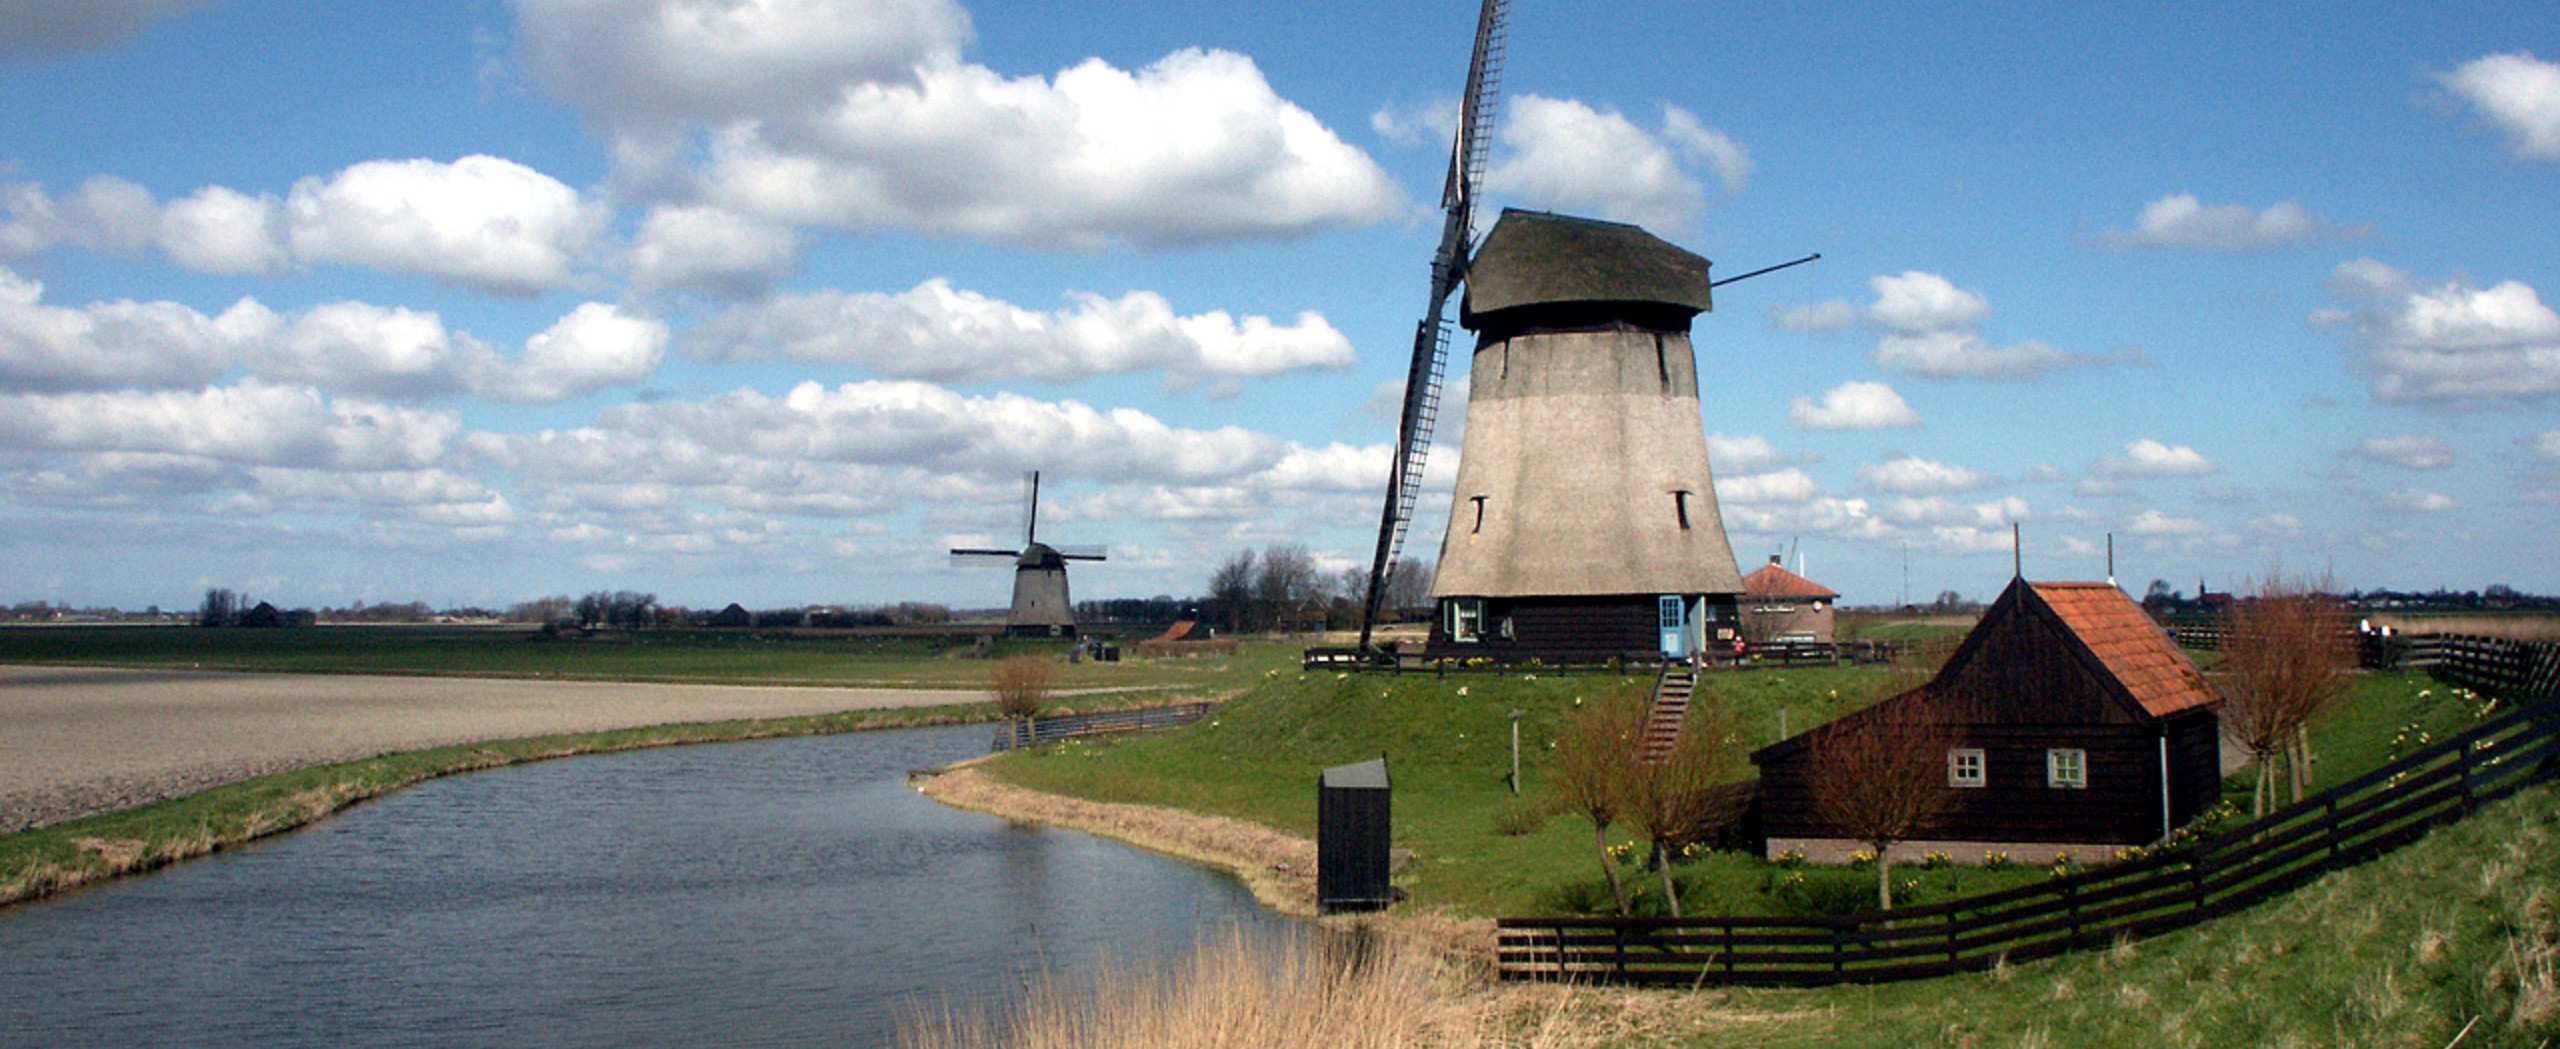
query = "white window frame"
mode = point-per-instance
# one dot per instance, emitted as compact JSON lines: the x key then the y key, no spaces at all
{"x":2066,"y":768}
{"x":1466,"y":620}
{"x":1966,"y":768}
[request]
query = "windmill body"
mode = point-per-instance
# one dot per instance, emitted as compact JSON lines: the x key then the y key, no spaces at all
{"x":1584,"y":520}
{"x":1041,"y":606}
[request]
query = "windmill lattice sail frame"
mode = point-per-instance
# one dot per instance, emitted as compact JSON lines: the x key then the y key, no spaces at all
{"x":1431,"y":336}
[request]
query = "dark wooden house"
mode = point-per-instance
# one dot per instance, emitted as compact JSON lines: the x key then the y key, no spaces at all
{"x":2075,"y":726}
{"x":1584,"y":521}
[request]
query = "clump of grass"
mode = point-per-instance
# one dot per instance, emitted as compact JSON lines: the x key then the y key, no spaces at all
{"x":1520,"y":817}
{"x":1235,"y":990}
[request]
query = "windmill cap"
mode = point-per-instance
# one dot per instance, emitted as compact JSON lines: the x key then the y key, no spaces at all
{"x":1534,"y":258}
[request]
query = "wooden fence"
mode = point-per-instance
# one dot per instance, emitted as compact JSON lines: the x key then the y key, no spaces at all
{"x":1013,"y":735}
{"x":2488,"y":664}
{"x":2339,"y":827}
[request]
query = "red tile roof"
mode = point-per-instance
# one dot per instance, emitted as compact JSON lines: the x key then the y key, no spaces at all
{"x":2131,"y":647}
{"x":1774,"y":581}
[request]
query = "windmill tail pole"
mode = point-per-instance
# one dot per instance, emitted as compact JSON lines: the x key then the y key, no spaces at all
{"x":1765,"y":269}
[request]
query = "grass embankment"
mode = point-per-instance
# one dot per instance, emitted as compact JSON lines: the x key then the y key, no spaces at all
{"x":1478,"y":851}
{"x":2449,"y":941}
{"x":2452,"y":932}
{"x":44,"y":860}
{"x":746,"y":657}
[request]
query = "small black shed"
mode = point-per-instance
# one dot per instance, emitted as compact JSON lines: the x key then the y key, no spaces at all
{"x":1351,"y":838}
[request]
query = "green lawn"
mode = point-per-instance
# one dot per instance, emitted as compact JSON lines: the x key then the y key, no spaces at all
{"x":2456,"y":929}
{"x":1448,"y":748}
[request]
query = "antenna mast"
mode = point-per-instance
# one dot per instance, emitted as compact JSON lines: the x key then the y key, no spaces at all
{"x":1431,"y":336}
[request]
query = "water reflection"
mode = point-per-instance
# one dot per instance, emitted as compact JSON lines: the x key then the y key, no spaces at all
{"x":776,"y":892}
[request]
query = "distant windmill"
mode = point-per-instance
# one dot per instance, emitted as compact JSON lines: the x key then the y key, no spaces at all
{"x":1448,"y":267}
{"x":1040,"y":604}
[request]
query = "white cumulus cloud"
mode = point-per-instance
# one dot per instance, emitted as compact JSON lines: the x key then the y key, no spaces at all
{"x":2415,"y":451}
{"x":480,"y":222}
{"x":1854,"y":406}
{"x":1194,"y":148}
{"x":1564,"y":155}
{"x":2447,"y":343}
{"x":595,"y":347}
{"x":222,"y":230}
{"x":2179,"y":220}
{"x":2150,"y":458}
{"x":710,"y":250}
{"x":2518,"y":93}
{"x":39,"y":29}
{"x":1912,"y":475}
{"x":2155,"y":523}
{"x":669,"y":61}
{"x":938,"y":332}
{"x":2417,"y":500}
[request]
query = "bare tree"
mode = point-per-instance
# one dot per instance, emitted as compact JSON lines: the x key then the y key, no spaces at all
{"x":1231,"y":591}
{"x":2285,"y":656}
{"x":1408,"y":587}
{"x":1876,"y":776}
{"x":1595,"y":748}
{"x":1022,"y":686}
{"x":1670,"y":797}
{"x":1285,"y":583}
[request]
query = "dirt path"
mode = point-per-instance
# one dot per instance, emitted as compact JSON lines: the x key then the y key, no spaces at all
{"x":76,"y":741}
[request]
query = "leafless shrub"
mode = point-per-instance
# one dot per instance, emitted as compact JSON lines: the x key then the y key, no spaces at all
{"x":1670,"y":797}
{"x":1875,"y":777}
{"x":2285,"y":656}
{"x":1595,"y":749}
{"x":1022,"y":685}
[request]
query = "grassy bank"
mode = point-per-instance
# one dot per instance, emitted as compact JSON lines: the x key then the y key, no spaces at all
{"x":45,"y":860}
{"x":688,"y":656}
{"x":1479,"y":851}
{"x":2451,"y":940}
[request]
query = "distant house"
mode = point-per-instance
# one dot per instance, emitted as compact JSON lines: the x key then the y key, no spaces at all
{"x":2078,"y":727}
{"x":736,"y":615}
{"x":1777,"y":602}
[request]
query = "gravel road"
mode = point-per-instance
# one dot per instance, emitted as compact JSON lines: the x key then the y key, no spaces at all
{"x":76,"y":741}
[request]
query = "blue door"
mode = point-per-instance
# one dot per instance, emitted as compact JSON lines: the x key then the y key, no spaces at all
{"x":1675,"y":623}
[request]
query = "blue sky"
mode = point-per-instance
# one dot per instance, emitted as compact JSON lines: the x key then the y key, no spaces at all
{"x":773,"y":302}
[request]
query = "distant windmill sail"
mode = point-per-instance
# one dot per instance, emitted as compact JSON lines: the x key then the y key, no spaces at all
{"x":1431,"y":336}
{"x":1040,"y":602}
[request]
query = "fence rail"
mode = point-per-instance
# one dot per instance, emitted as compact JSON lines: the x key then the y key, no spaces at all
{"x":1014,"y":735}
{"x":2345,"y":825}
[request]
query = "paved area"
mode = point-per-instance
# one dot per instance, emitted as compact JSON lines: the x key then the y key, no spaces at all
{"x":76,"y":741}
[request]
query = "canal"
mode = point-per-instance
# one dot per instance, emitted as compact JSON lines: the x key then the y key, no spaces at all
{"x":780,"y":892}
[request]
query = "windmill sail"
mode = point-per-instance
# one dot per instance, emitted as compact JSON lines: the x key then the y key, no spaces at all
{"x":1431,"y":336}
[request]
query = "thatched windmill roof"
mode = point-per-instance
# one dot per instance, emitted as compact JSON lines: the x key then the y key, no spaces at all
{"x":1534,"y":258}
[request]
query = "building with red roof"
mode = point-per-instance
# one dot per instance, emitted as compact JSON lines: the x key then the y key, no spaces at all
{"x":1777,"y":603}
{"x":2077,"y":726}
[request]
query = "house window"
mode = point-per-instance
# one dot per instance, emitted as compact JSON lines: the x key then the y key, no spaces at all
{"x":2066,"y":768}
{"x":1466,"y":619}
{"x":1964,"y":767}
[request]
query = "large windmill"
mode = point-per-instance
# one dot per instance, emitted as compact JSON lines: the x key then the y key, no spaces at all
{"x":1584,"y":523}
{"x":1448,"y":267}
{"x":1041,"y":607}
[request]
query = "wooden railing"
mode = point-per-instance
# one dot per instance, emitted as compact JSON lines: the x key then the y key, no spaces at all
{"x":2489,"y":664}
{"x":2339,"y":827}
{"x":1014,"y":735}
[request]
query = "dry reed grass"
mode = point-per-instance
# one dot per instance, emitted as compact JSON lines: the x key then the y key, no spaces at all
{"x":2519,"y":626}
{"x":1367,"y":987}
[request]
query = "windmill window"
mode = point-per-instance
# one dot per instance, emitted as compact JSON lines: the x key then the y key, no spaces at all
{"x":1964,"y":767}
{"x":2066,"y":768}
{"x":1680,"y":503}
{"x":1479,"y":525}
{"x":1662,"y":363}
{"x":1466,"y":619}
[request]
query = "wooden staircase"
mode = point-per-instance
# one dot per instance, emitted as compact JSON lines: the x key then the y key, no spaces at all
{"x":1670,"y":706}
